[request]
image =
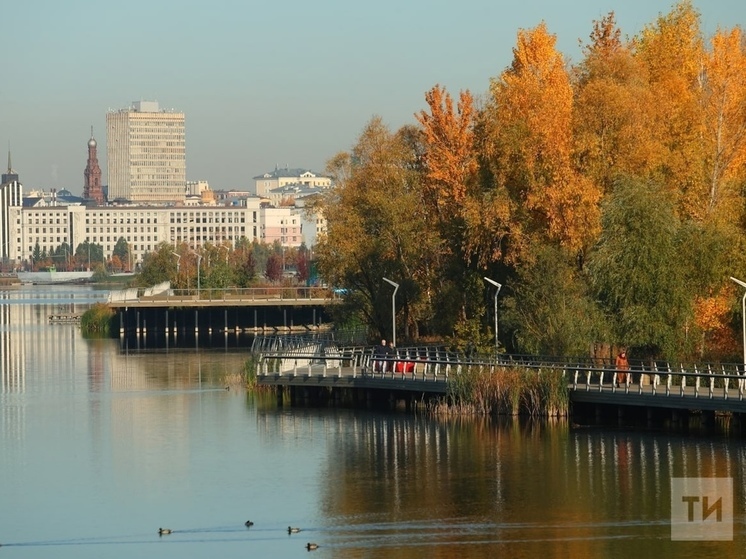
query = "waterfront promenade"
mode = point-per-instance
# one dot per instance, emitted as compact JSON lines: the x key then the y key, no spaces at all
{"x":417,"y":373}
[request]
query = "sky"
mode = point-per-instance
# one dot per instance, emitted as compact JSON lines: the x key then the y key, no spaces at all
{"x":263,"y":83}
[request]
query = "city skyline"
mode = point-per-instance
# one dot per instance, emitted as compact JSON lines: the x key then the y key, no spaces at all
{"x":263,"y":86}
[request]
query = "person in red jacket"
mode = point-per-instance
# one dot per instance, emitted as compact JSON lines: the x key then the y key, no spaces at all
{"x":622,"y":366}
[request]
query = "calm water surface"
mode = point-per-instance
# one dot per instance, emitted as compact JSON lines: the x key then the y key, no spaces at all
{"x":99,"y":447}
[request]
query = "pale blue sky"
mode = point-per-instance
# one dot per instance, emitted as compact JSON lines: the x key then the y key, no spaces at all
{"x":262,"y":83}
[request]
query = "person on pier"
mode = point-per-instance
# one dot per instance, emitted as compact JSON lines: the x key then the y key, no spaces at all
{"x":622,"y":366}
{"x":379,"y":352}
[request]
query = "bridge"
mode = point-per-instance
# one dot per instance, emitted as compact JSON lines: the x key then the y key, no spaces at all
{"x":164,"y":311}
{"x":315,"y":371}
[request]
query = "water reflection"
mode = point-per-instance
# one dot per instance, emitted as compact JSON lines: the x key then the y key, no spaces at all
{"x":126,"y":441}
{"x":398,"y":486}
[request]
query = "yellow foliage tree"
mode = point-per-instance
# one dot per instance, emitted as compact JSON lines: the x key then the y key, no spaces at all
{"x":531,"y":144}
{"x":723,"y":97}
{"x":672,"y":51}
{"x":613,"y":109}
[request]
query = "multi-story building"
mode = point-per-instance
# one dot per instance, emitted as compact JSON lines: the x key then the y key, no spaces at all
{"x":281,"y":177}
{"x":142,"y":227}
{"x":11,"y":196}
{"x":146,"y":154}
{"x":282,"y":225}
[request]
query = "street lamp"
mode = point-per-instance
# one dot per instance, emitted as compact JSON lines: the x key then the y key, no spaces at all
{"x":393,"y":309}
{"x":199,"y":260}
{"x":178,"y":261}
{"x":743,"y":318}
{"x":498,"y":285}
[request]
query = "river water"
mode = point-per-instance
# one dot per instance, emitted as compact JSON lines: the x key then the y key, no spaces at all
{"x":101,"y":446}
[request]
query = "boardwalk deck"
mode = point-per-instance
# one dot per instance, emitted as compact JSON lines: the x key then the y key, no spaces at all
{"x":693,"y":390}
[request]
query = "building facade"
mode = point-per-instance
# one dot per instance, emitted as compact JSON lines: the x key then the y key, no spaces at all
{"x":11,"y":196}
{"x":263,"y":184}
{"x":282,"y":225}
{"x":146,"y":154}
{"x":143,"y":227}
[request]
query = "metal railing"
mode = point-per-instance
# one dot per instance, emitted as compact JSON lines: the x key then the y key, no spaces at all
{"x":223,"y":295}
{"x":429,"y":363}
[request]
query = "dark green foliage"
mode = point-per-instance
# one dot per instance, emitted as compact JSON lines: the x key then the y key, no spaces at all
{"x":98,"y":321}
{"x":549,"y":310}
{"x":637,"y":271}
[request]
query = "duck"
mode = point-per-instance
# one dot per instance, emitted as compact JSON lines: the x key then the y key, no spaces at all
{"x":310,"y":546}
{"x":248,"y":523}
{"x":163,"y":531}
{"x":292,"y":530}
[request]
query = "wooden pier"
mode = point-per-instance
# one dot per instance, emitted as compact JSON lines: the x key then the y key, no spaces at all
{"x":65,"y":318}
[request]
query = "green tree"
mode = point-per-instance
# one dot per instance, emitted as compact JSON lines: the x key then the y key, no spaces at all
{"x":87,"y":254}
{"x":243,"y":262}
{"x":36,"y":255}
{"x":549,"y":309}
{"x":219,"y":273}
{"x":157,"y":267}
{"x":637,"y":270}
{"x":122,"y":251}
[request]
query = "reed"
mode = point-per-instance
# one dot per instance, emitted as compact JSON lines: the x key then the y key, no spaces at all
{"x":486,"y":390}
{"x":98,"y":321}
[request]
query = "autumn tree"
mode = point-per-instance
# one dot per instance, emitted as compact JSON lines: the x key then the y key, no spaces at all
{"x":529,"y":145}
{"x":274,"y":269}
{"x":723,"y":98}
{"x":672,"y":52}
{"x":376,"y":228}
{"x":450,"y":158}
{"x":613,"y":109}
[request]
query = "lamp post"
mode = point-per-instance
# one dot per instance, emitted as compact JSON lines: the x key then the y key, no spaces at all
{"x":498,"y":286}
{"x":178,"y":261}
{"x":199,"y":261}
{"x":743,"y":318}
{"x":393,"y":309}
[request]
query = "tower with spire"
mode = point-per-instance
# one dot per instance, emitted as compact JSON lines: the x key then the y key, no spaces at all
{"x":11,"y":196}
{"x":92,"y":189}
{"x":11,"y":175}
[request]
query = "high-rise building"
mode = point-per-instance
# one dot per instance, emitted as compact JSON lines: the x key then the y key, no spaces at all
{"x":146,"y":154}
{"x":11,"y":196}
{"x":92,"y":189}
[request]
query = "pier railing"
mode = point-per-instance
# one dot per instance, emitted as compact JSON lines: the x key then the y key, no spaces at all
{"x":654,"y":378}
{"x":228,"y":295}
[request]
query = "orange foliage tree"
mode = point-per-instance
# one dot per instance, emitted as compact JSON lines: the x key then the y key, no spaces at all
{"x":723,"y":97}
{"x":530,"y":144}
{"x":613,"y":108}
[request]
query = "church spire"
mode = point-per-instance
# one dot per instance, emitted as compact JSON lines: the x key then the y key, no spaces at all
{"x":10,"y":169}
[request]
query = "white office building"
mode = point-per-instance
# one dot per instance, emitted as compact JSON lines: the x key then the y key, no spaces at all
{"x":146,"y":154}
